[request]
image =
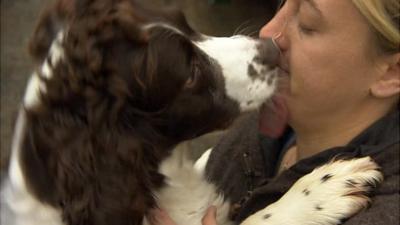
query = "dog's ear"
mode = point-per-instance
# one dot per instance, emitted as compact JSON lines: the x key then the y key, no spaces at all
{"x":51,"y":21}
{"x":130,"y":19}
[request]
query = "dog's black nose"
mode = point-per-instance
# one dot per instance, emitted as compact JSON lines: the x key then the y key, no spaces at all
{"x":269,"y":52}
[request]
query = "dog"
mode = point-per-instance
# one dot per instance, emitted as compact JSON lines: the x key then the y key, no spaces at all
{"x":116,"y":87}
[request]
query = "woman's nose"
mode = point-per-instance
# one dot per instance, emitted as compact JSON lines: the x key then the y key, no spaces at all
{"x":276,"y":24}
{"x":270,"y":29}
{"x":279,"y":38}
{"x":276,"y":28}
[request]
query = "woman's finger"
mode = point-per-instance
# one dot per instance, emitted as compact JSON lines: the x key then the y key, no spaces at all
{"x":160,"y":217}
{"x":210,"y":217}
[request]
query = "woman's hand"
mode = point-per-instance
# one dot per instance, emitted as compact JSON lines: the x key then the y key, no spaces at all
{"x":160,"y":217}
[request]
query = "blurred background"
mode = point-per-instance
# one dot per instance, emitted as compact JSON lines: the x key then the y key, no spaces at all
{"x":18,"y":17}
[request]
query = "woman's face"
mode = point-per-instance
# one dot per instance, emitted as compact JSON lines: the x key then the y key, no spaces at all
{"x":327,"y":52}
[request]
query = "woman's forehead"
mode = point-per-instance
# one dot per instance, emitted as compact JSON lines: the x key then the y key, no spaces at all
{"x":334,"y":10}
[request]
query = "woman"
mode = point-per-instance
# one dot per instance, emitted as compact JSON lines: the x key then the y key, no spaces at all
{"x":341,"y":60}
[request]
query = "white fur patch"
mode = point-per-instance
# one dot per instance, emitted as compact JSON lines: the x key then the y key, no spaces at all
{"x":164,"y":25}
{"x":235,"y":55}
{"x":35,"y":84}
{"x":187,"y":194}
{"x":201,"y":163}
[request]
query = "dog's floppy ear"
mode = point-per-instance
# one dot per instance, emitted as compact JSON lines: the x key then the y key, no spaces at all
{"x":51,"y":21}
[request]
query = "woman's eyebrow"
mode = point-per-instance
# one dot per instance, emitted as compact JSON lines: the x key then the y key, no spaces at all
{"x":314,"y":6}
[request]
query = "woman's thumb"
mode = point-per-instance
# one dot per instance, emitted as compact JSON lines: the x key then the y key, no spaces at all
{"x":210,"y":217}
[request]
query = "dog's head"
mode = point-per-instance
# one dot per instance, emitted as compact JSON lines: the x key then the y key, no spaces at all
{"x":149,"y":66}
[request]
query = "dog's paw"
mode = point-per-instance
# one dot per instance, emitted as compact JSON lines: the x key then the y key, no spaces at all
{"x":326,"y":196}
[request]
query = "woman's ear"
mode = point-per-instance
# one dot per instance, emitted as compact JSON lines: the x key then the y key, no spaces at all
{"x":388,"y":84}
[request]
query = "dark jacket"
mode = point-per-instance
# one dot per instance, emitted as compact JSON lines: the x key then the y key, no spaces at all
{"x":244,"y":164}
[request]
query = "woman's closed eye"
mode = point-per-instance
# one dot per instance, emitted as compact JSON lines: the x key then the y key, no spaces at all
{"x":305,"y":29}
{"x":308,"y":20}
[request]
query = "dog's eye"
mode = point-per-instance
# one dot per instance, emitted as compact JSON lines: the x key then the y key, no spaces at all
{"x":195,"y":74}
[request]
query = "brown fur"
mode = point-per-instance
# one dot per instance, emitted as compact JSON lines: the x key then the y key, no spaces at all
{"x":116,"y":105}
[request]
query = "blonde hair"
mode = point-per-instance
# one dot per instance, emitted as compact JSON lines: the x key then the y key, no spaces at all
{"x":384,"y":18}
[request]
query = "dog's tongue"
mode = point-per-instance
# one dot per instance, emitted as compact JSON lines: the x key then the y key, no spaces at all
{"x":273,"y":118}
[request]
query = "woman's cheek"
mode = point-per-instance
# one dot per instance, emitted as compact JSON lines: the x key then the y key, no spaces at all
{"x":298,"y":82}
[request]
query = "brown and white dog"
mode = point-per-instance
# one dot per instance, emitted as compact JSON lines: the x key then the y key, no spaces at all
{"x":116,"y":88}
